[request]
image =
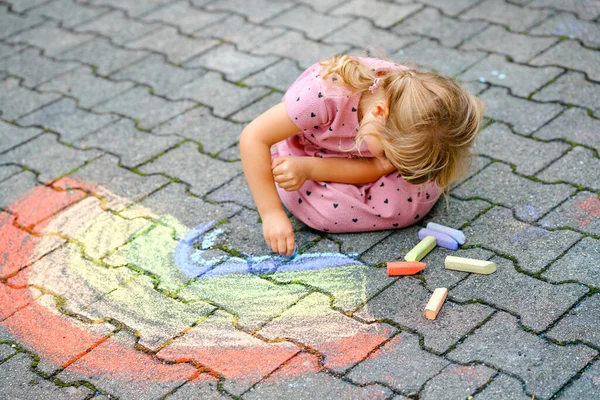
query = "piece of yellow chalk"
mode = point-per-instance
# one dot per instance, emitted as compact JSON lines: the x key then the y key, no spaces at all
{"x":421,"y":249}
{"x":435,"y":303}
{"x":469,"y":265}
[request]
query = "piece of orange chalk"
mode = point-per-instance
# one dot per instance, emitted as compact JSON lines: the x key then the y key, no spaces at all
{"x":399,"y":268}
{"x":435,"y":303}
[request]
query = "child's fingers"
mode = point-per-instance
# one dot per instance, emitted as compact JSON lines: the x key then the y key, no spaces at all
{"x":290,"y":246}
{"x":282,"y":245}
{"x":277,"y":161}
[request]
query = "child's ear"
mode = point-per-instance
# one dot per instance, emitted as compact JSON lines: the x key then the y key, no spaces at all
{"x":380,"y":109}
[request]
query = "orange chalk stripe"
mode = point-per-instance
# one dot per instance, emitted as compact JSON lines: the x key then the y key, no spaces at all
{"x":435,"y":303}
{"x":400,"y":268}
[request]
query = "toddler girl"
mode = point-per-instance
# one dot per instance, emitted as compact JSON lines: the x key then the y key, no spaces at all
{"x":357,"y":144}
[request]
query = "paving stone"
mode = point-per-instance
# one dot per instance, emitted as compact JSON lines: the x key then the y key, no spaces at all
{"x":314,"y":24}
{"x":503,"y":13}
{"x":358,"y":243}
{"x":6,"y":49}
{"x":566,"y":24}
{"x":17,"y":380}
{"x":68,"y":12}
{"x":148,"y":110}
{"x":456,"y":381}
{"x":104,"y":57}
{"x":118,"y":28}
{"x":198,"y":124}
{"x":302,"y":378}
{"x":203,"y":387}
{"x":160,"y":75}
{"x":254,"y":110}
{"x":65,"y":118}
{"x":457,"y":214}
{"x":235,"y":29}
{"x":185,"y":17}
{"x":521,"y":80}
{"x":381,"y":366}
{"x":15,"y":186}
{"x":576,"y":167}
{"x":22,"y":5}
{"x":586,"y":385}
{"x":579,"y":324}
{"x":498,"y":40}
{"x":404,"y":302}
{"x":87,"y":88}
{"x":33,"y":68}
{"x":382,"y":14}
{"x":280,"y":75}
{"x":243,"y":233}
{"x":529,"y":199}
{"x":478,"y":163}
{"x":533,"y":247}
{"x":581,"y":213}
{"x":293,"y":45}
{"x":125,"y":366}
{"x":525,"y":116}
{"x":184,"y":163}
{"x":503,"y":386}
{"x":50,"y":158}
{"x":572,"y":88}
{"x":544,"y":366}
{"x":8,"y":171}
{"x":453,"y":8}
{"x":578,"y":264}
{"x":13,"y":135}
{"x":131,"y":145}
{"x":235,"y":191}
{"x":431,"y":22}
{"x":13,"y":300}
{"x":50,"y":38}
{"x":570,"y":54}
{"x":6,"y":351}
{"x":574,"y":125}
{"x":11,"y":23}
{"x":449,"y":62}
{"x":393,"y":247}
{"x":230,"y":154}
{"x":584,"y":9}
{"x":342,"y":340}
{"x":256,"y":11}
{"x":474,"y":87}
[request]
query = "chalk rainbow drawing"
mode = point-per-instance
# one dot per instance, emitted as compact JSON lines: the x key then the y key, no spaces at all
{"x":77,"y":276}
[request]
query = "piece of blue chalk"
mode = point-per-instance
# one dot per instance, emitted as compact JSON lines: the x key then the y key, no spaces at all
{"x":443,"y":240}
{"x":294,"y":254}
{"x":453,"y":233}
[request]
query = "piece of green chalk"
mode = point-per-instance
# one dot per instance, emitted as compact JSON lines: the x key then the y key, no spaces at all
{"x":421,"y":249}
{"x":469,"y":265}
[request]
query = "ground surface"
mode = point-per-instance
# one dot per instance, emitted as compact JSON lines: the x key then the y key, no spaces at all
{"x":118,"y":148}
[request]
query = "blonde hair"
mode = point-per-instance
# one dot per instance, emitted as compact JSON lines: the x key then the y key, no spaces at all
{"x":432,"y":120}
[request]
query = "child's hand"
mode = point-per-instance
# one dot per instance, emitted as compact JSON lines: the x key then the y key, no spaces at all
{"x":290,"y":173}
{"x":278,"y":233}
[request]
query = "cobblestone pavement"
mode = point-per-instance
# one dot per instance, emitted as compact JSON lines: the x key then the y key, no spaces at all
{"x":131,"y":260}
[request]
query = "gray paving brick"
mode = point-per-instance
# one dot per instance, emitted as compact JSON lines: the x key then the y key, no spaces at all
{"x":116,"y":26}
{"x":474,"y":87}
{"x":23,"y":5}
{"x":235,"y":191}
{"x":578,"y":166}
{"x":521,"y":80}
{"x":448,"y":62}
{"x":243,"y":233}
{"x":503,"y":13}
{"x":586,"y":385}
{"x":18,"y":379}
{"x":313,"y":383}
{"x":574,"y":125}
{"x":236,"y":65}
{"x":50,"y":158}
{"x":382,"y":14}
{"x":6,"y":49}
{"x":314,"y":24}
{"x":572,"y":88}
{"x":8,"y":171}
{"x":544,"y":366}
{"x":280,"y":75}
{"x":502,"y":387}
{"x":584,"y":9}
{"x":358,"y":243}
{"x":566,"y":24}
{"x":456,"y":381}
{"x":224,"y":97}
{"x":533,"y":247}
{"x":498,"y":40}
{"x":176,"y":47}
{"x":451,"y":7}
{"x":579,"y":324}
{"x":68,"y":12}
{"x":133,"y":8}
{"x":431,"y":22}
{"x":249,"y":113}
{"x":16,"y":100}
{"x":477,"y":165}
{"x":457,"y":214}
{"x":528,"y":199}
{"x":131,"y":145}
{"x":393,"y":247}
{"x":404,"y":302}
{"x":6,"y":351}
{"x":11,"y":23}
{"x":148,"y":110}
{"x":64,"y":117}
{"x":578,"y":264}
{"x":50,"y":38}
{"x":570,"y":54}
{"x":15,"y":186}
{"x":185,"y":17}
{"x":581,"y":213}
{"x":256,"y":11}
{"x":381,"y":366}
{"x":103,"y":56}
{"x":293,"y":45}
{"x":33,"y":68}
{"x":524,"y":115}
{"x":230,"y":154}
{"x":246,"y":35}
{"x":204,"y":387}
{"x":546,"y":304}
{"x":186,"y":163}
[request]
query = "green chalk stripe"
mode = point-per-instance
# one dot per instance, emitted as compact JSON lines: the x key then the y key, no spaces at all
{"x":421,"y":250}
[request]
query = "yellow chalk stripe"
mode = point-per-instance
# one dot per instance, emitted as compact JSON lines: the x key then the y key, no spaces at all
{"x":469,"y":265}
{"x":421,"y":250}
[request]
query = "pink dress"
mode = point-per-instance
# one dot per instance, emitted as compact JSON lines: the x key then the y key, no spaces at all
{"x":327,"y":119}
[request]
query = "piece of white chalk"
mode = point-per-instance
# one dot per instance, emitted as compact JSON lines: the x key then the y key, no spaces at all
{"x":421,"y":249}
{"x":453,"y":233}
{"x":469,"y":265}
{"x":435,"y":303}
{"x":442,"y":239}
